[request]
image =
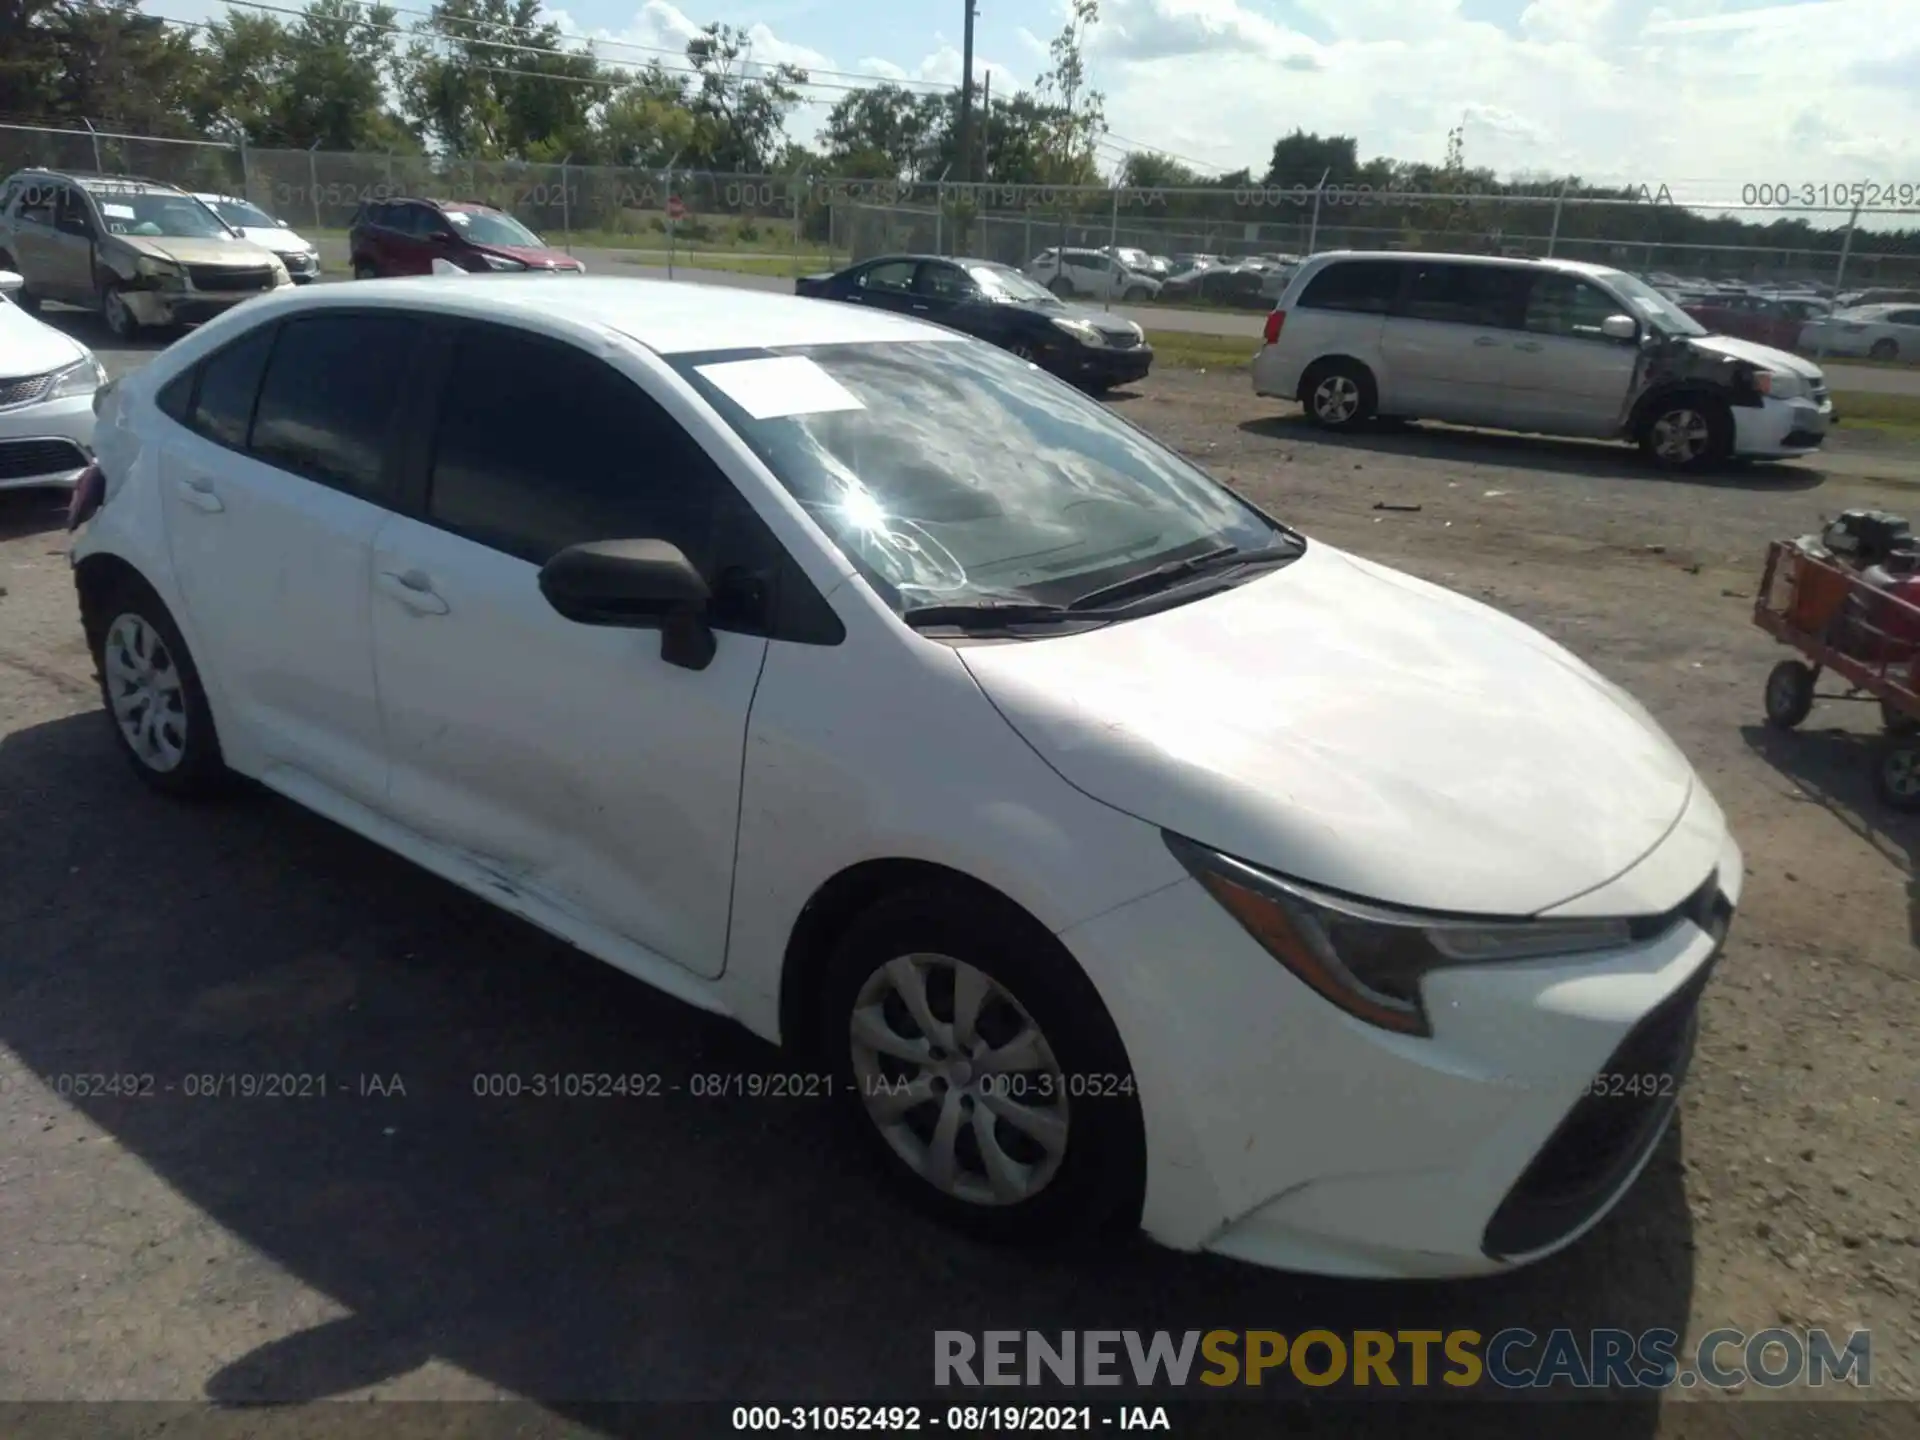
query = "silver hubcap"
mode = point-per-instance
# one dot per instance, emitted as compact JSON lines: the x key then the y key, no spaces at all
{"x":1901,"y":771}
{"x":1680,"y":435}
{"x":144,"y":685}
{"x":1336,"y":398}
{"x":959,"y":1079}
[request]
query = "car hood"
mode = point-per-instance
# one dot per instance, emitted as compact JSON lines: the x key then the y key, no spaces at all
{"x":1106,"y":324}
{"x":538,"y":257}
{"x":1358,"y":729}
{"x":28,"y":347}
{"x":185,"y":250}
{"x":1754,"y":353}
{"x":275,"y":238}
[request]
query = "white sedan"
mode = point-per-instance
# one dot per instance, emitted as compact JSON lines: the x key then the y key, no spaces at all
{"x":1116,"y":855}
{"x":300,"y":256}
{"x":1873,"y":332}
{"x":47,"y":385}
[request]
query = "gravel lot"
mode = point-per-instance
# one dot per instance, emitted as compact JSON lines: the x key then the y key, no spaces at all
{"x":435,"y":1245}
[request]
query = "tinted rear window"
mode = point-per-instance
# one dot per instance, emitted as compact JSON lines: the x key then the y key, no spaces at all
{"x":229,"y":381}
{"x":330,"y":396}
{"x":1366,"y":286}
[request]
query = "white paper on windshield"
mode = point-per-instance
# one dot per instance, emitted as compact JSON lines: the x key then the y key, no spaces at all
{"x":119,"y":212}
{"x":781,"y":385}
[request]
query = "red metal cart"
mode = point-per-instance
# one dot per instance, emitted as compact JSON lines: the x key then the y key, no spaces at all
{"x":1869,"y":637}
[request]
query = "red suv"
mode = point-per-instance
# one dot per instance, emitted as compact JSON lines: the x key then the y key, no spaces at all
{"x":405,"y":237}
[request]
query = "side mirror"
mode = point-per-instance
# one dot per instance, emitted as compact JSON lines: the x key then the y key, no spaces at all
{"x":1620,"y":327}
{"x":12,"y":282}
{"x":636,"y":584}
{"x":441,"y":237}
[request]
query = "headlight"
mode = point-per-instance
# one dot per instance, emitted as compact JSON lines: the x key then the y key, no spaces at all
{"x":280,"y":274}
{"x":1780,"y":384}
{"x":1367,"y":959}
{"x":500,"y":262}
{"x":1082,"y":330}
{"x":83,"y":377}
{"x":164,"y":274}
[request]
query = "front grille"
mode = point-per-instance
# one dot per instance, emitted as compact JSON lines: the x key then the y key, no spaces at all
{"x":231,"y":277}
{"x":1607,"y":1133}
{"x":25,"y":390}
{"x":23,"y":459}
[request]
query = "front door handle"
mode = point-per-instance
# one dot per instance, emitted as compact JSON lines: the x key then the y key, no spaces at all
{"x":1485,"y":340}
{"x":413,"y":590}
{"x":199,"y":494}
{"x":920,"y":307}
{"x":1528,"y":345}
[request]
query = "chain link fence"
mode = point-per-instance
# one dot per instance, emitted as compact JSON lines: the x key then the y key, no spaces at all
{"x":791,"y":224}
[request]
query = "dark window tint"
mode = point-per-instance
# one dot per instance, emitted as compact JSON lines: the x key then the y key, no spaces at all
{"x":601,"y":462}
{"x":1368,"y":286}
{"x":1489,"y":296}
{"x":893,"y":275}
{"x":942,"y":281}
{"x":36,"y":202}
{"x":70,"y":213}
{"x":229,"y":381}
{"x":331,"y":391}
{"x":1904,"y":317}
{"x":176,"y":397}
{"x":1566,"y":305}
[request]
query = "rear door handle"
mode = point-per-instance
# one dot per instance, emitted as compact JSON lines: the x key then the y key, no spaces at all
{"x":1530,"y":345}
{"x":920,"y":307}
{"x":413,"y":590}
{"x":199,"y":494}
{"x":1485,"y":340}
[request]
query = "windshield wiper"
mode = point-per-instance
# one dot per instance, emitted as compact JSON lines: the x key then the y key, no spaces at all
{"x":1160,"y":576}
{"x":992,"y":614}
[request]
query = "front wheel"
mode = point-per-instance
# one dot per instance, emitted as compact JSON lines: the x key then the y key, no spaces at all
{"x":1896,"y":774}
{"x":119,"y":315}
{"x":1136,"y":294}
{"x":1688,"y":434}
{"x":980,"y":1070}
{"x":1885,"y":350}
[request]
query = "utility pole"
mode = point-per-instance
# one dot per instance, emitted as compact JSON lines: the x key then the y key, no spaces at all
{"x":966,"y":96}
{"x":986,"y":126}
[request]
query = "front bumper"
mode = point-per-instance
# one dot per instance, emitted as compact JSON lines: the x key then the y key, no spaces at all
{"x":1085,"y":364}
{"x":46,"y":444}
{"x":302,"y":268}
{"x":1779,"y":428}
{"x":185,"y":307}
{"x":1283,"y":1132}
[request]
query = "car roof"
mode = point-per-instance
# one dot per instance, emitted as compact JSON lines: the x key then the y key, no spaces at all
{"x":88,"y":179}
{"x":1572,"y":267}
{"x":668,"y":317}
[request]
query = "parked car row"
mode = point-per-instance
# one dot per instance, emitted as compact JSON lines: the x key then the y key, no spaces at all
{"x":1070,"y":815}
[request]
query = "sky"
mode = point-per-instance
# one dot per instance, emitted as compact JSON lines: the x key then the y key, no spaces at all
{"x":1702,"y":96}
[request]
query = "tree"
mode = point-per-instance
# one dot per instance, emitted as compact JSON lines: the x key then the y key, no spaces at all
{"x":1302,"y":158}
{"x":739,"y":110}
{"x":1074,"y":116}
{"x":1148,"y":170}
{"x":112,"y":63}
{"x":488,"y":79}
{"x":883,"y":132}
{"x":645,"y":122}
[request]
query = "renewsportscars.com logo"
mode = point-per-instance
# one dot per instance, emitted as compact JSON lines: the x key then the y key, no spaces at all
{"x":1511,"y":1359}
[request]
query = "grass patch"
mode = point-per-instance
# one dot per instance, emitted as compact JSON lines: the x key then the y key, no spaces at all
{"x":1870,"y":410}
{"x":736,"y":264}
{"x":1191,"y":350}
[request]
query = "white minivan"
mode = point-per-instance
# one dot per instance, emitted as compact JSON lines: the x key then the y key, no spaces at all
{"x":1552,"y":347}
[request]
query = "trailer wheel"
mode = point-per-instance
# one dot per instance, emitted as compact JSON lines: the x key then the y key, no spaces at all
{"x":1789,"y":694}
{"x":1896,"y":775}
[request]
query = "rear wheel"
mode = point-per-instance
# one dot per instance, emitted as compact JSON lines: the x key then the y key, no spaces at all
{"x":1061,"y":286}
{"x":1338,"y":394}
{"x":1688,"y":432}
{"x":1136,"y":293}
{"x":153,"y":694}
{"x":1885,"y":350}
{"x":363,"y":270}
{"x":1789,"y":694}
{"x":980,"y":1070}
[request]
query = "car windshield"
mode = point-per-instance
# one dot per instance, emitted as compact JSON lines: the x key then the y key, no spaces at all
{"x":133,"y":212}
{"x":1651,"y":304}
{"x":1000,"y":281}
{"x":489,"y":227}
{"x":239,"y":212}
{"x":951,"y":473}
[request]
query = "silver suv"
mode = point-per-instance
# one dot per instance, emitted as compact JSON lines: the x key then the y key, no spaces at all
{"x":140,"y":252}
{"x":1549,"y":347}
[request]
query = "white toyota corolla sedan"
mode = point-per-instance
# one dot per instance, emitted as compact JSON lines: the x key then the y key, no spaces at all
{"x":1119,"y":855}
